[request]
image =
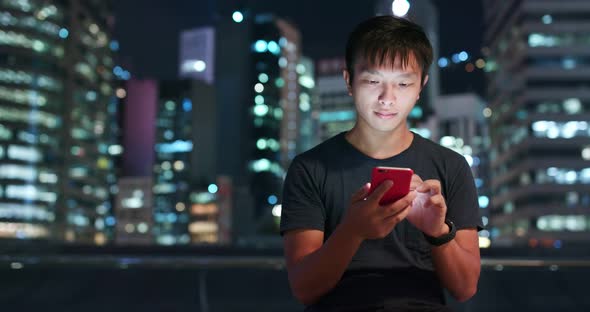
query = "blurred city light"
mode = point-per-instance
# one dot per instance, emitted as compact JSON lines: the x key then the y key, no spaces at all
{"x":237,"y":16}
{"x":400,"y":7}
{"x":443,"y":62}
{"x":276,"y":211}
{"x":212,"y":188}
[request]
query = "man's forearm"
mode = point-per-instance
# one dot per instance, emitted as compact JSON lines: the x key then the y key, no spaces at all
{"x":458,"y":269}
{"x":320,"y":271}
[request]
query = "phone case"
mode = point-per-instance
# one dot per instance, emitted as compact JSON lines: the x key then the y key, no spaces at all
{"x":401,"y":178}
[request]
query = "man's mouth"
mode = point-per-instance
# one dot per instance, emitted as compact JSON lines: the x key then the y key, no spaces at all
{"x":385,"y":115}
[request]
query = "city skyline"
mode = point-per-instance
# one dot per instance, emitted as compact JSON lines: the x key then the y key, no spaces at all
{"x":141,"y":165}
{"x":274,"y":107}
{"x":324,"y":27}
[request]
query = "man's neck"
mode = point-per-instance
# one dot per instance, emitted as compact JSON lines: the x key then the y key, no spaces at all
{"x":380,"y":145}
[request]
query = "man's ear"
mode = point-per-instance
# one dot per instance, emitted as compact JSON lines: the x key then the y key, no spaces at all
{"x":425,"y":81}
{"x":346,"y":76}
{"x":422,"y":88}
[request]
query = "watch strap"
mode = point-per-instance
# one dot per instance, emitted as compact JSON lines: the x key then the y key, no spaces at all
{"x":445,"y":238}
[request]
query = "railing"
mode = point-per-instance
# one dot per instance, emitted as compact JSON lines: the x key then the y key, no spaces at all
{"x":221,"y":262}
{"x":248,"y":282}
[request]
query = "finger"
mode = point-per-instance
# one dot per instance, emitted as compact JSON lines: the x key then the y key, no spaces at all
{"x":437,"y":200}
{"x":361,"y":193}
{"x":393,"y":220}
{"x":380,"y":190}
{"x":396,"y":207}
{"x":415,"y":182}
{"x":432,"y":186}
{"x":435,"y":187}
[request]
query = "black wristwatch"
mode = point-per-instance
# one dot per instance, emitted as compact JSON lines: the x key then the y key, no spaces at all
{"x":445,"y":238}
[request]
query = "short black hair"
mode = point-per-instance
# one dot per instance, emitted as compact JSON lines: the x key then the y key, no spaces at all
{"x":379,"y":40}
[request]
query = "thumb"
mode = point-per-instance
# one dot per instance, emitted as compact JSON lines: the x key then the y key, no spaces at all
{"x":381,"y":189}
{"x":361,"y":193}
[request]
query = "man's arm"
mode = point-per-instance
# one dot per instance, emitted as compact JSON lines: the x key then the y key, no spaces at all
{"x":315,"y":267}
{"x":457,"y":264}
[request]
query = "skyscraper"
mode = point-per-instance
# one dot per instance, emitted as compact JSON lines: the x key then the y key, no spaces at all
{"x":462,"y":127}
{"x":259,"y":119}
{"x":185,"y":154}
{"x":197,"y":54}
{"x":307,"y":100}
{"x":335,"y":111}
{"x":133,"y":210}
{"x":539,"y":95}
{"x":56,"y":107}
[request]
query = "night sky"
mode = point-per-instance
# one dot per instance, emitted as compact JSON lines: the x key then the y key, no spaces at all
{"x":148,"y":30}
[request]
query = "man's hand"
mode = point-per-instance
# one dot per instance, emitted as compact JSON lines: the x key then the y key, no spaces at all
{"x":428,"y":208}
{"x":315,"y":266}
{"x":366,"y":219}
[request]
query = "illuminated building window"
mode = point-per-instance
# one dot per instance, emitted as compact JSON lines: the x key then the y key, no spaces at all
{"x":5,"y":133}
{"x":12,"y":38}
{"x":78,"y":172}
{"x":23,"y":230}
{"x":278,"y":113}
{"x":86,"y":71}
{"x":263,"y":78}
{"x":563,"y":176}
{"x":265,"y":165}
{"x":260,"y":110}
{"x":25,"y":153}
{"x":25,"y":212}
{"x":307,"y":82}
{"x":18,"y":172}
{"x":48,"y":177}
{"x":260,"y":46}
{"x":23,"y":96}
{"x":30,"y":192}
{"x":552,"y":223}
{"x":25,"y":78}
{"x":546,"y":40}
{"x":554,"y":130}
{"x":273,"y":48}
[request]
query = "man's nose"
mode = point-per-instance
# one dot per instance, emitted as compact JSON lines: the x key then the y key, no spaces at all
{"x":387,"y":96}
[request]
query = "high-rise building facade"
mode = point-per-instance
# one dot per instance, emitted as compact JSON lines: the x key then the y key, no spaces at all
{"x":173,"y":149}
{"x":197,"y":54}
{"x":185,"y":154}
{"x":462,"y":127}
{"x":259,"y":121}
{"x":335,"y":111}
{"x":139,"y":133}
{"x":56,"y":107}
{"x":539,"y":95}
{"x":133,"y":211}
{"x":307,"y":100}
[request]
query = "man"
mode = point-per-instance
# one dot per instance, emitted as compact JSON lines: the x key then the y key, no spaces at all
{"x":344,"y":251}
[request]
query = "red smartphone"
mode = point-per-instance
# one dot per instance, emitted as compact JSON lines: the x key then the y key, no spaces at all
{"x":401,"y":178}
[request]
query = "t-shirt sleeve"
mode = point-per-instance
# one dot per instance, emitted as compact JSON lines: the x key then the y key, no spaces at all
{"x":302,"y":206}
{"x":462,"y":201}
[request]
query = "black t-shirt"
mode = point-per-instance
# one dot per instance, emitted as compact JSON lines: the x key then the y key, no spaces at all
{"x":396,"y":270}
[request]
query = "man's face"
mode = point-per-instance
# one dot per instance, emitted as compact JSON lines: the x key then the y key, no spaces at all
{"x":384,"y":95}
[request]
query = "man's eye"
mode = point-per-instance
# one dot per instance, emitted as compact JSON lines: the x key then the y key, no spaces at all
{"x":405,"y":85}
{"x":373,"y":81}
